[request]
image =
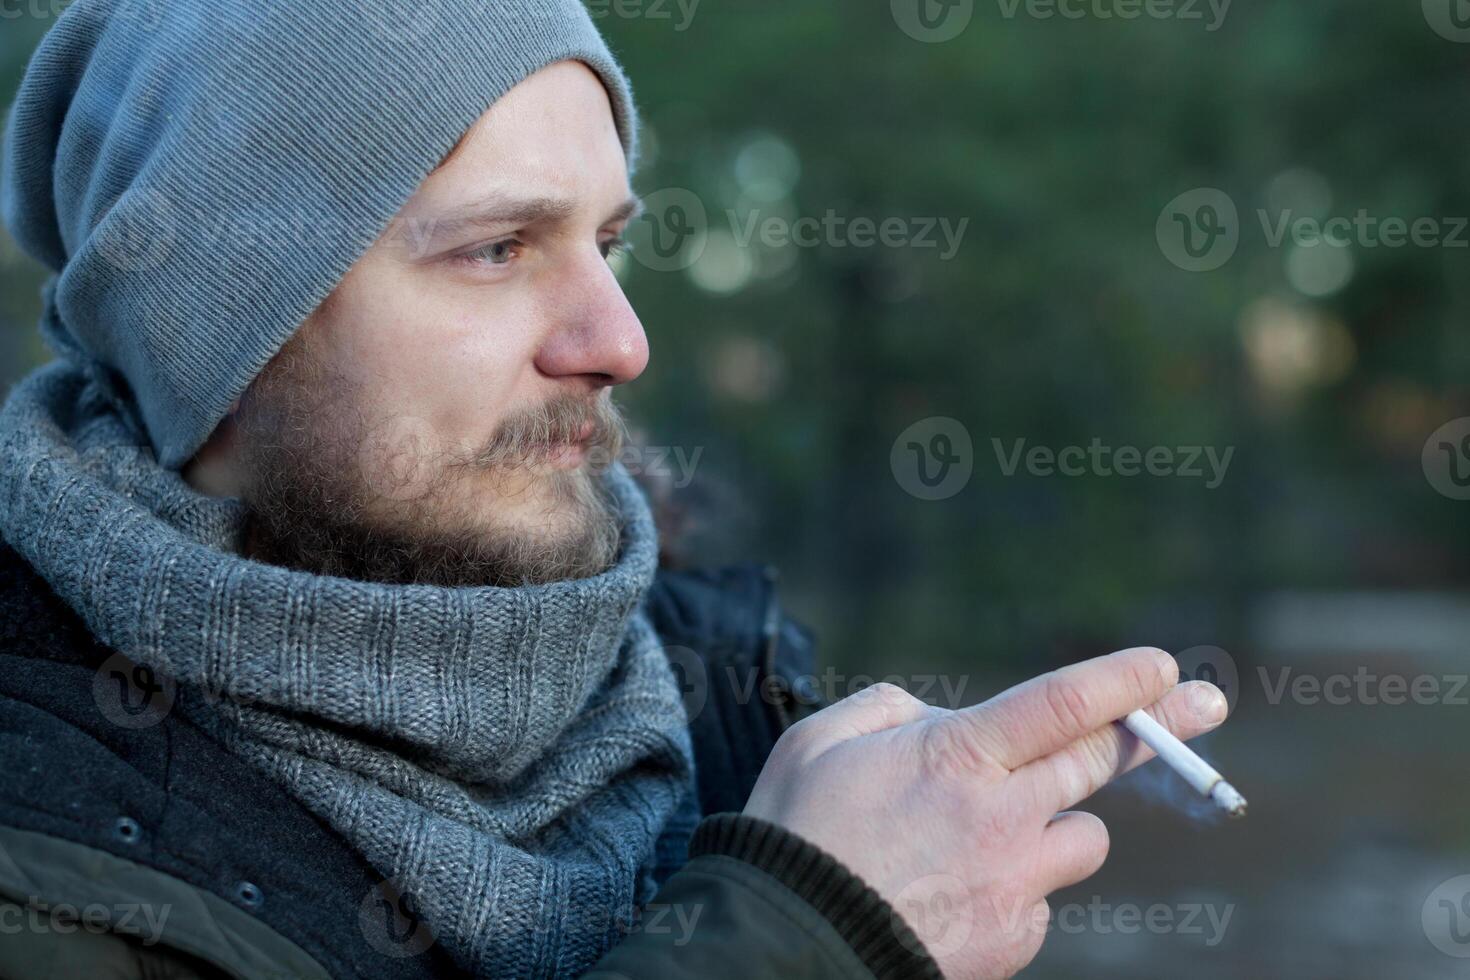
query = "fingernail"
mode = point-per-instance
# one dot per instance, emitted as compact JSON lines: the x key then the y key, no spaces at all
{"x":1207,"y":701}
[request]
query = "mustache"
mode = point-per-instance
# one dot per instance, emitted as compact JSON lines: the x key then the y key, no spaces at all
{"x":531,"y":435}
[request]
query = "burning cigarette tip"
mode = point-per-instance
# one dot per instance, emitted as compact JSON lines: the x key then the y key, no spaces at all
{"x":1227,"y":798}
{"x":1183,"y":760}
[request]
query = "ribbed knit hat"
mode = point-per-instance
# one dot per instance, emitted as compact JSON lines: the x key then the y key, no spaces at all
{"x":200,"y":174}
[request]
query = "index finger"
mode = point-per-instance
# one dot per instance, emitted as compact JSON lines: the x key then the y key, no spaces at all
{"x":1050,"y":712}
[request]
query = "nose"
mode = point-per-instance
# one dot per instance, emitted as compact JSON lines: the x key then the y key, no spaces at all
{"x":598,"y":337}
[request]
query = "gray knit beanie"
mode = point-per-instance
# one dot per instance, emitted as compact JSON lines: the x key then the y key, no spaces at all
{"x":200,"y":174}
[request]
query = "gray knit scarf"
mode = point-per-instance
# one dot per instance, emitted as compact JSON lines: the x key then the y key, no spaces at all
{"x":516,"y":759}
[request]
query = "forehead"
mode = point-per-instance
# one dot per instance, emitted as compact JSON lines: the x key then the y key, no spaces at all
{"x":554,"y":132}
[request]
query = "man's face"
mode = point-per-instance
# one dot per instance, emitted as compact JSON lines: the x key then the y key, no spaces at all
{"x":445,"y":415}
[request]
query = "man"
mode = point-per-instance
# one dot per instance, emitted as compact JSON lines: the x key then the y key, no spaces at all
{"x":333,"y":646}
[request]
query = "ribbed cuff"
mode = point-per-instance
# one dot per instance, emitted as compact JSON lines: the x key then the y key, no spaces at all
{"x":859,"y":914}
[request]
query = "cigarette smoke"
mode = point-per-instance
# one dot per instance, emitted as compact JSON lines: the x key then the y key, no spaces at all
{"x":1158,"y":785}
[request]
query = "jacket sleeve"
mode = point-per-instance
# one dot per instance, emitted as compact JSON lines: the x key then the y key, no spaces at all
{"x":754,"y":901}
{"x":757,"y":901}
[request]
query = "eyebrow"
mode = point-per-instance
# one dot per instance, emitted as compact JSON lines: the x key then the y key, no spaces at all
{"x":502,"y":209}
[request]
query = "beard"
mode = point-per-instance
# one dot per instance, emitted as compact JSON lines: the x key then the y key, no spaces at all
{"x":334,"y":489}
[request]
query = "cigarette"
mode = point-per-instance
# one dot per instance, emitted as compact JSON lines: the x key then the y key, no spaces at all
{"x":1182,"y":759}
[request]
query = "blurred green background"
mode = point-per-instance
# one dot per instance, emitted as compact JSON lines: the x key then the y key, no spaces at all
{"x":1062,"y":317}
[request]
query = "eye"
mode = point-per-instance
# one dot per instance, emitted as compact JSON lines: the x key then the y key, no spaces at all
{"x":496,"y":253}
{"x":615,"y":246}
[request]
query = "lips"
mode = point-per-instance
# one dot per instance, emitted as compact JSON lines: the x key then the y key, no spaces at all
{"x":565,"y":455}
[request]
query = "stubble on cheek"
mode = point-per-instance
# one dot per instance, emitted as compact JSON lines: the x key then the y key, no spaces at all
{"x":336,"y":489}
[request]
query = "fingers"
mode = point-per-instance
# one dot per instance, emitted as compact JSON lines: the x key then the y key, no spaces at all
{"x":1069,"y":776}
{"x":1073,"y":846}
{"x":873,"y":709}
{"x":1052,"y":711}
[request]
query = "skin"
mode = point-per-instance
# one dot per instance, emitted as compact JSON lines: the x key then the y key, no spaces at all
{"x":960,"y":819}
{"x":488,"y":296}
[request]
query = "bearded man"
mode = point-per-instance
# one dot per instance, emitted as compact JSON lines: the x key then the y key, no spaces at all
{"x":334,"y":638}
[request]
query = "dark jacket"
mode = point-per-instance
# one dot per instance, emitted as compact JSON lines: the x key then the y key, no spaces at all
{"x":134,"y":846}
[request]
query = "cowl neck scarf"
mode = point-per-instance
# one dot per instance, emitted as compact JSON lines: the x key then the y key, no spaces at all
{"x":515,"y":759}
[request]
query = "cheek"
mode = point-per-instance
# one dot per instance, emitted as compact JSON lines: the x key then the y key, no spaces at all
{"x":459,"y":359}
{"x":483,"y":360}
{"x":470,"y":369}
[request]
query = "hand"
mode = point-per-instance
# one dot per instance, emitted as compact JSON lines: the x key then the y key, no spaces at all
{"x":952,"y":816}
